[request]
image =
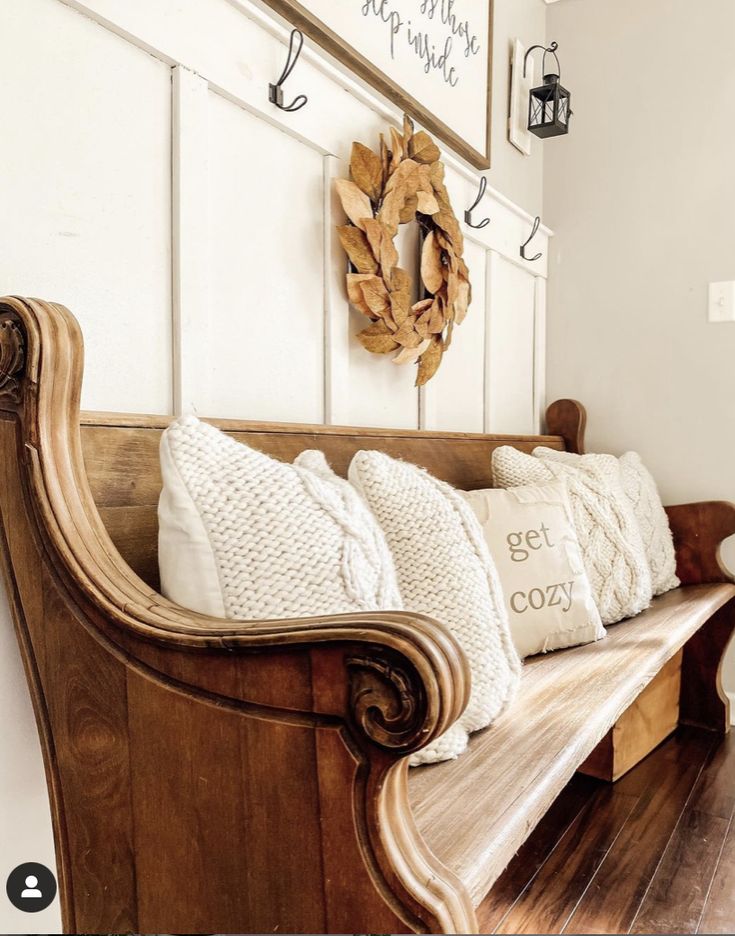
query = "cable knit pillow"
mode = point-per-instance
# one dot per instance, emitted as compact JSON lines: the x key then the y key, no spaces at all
{"x":531,"y":536}
{"x":640,"y":489}
{"x":608,"y":533}
{"x":640,"y":486}
{"x":244,"y":536}
{"x":444,"y":570}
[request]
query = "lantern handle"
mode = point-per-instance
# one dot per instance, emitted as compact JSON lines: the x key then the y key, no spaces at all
{"x":547,"y":50}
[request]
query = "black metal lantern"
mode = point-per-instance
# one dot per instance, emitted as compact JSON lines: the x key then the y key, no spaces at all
{"x":549,"y":106}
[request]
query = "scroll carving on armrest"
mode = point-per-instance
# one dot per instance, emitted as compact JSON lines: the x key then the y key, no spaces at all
{"x":699,"y":530}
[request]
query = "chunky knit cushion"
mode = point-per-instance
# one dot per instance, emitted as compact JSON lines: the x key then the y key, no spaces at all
{"x":608,"y":533}
{"x":640,"y":486}
{"x":640,"y":489}
{"x":244,"y":536}
{"x":444,"y":570}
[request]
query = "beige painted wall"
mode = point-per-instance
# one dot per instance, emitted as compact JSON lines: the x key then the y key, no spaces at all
{"x":642,"y":197}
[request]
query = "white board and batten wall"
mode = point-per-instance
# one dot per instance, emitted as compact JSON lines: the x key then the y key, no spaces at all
{"x":148,"y":184}
{"x":225,"y":258}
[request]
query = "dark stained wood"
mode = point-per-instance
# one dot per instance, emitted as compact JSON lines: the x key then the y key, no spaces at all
{"x":611,"y":901}
{"x":690,"y":875}
{"x":549,"y":900}
{"x":698,"y":531}
{"x":232,"y":776}
{"x":703,"y":698}
{"x":535,"y":850}
{"x":676,"y":896}
{"x":719,"y":911}
{"x":568,"y":419}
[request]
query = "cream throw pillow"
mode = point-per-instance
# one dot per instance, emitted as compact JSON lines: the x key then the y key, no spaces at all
{"x":608,"y":532}
{"x":531,"y":536}
{"x":444,"y":570}
{"x":244,"y":536}
{"x":640,"y":489}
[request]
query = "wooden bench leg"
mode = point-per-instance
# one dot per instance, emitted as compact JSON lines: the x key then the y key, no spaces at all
{"x":703,"y":699}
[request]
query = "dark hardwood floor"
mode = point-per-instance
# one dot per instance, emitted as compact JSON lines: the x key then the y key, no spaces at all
{"x":653,"y":853}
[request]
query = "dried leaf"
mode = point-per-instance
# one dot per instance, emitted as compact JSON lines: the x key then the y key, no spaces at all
{"x":388,"y":257}
{"x":407,"y":133}
{"x":400,"y":296}
{"x":396,"y":153}
{"x":411,"y":355}
{"x":390,"y":210}
{"x":376,"y":295}
{"x":355,"y":202}
{"x":426,"y":203}
{"x":423,"y":149}
{"x":408,"y":212}
{"x":431,"y":264}
{"x":377,"y":338}
{"x":430,"y":361}
{"x":366,"y":171}
{"x":374,"y":233}
{"x":436,"y":173}
{"x":384,"y":158}
{"x":406,"y":175}
{"x":407,"y":334}
{"x":462,"y":302}
{"x":354,"y":291}
{"x":357,"y":249}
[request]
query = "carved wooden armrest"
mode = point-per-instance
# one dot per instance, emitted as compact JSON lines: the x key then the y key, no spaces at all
{"x":699,"y":530}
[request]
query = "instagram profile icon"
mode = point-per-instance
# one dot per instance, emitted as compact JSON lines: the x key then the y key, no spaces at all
{"x":31,"y":887}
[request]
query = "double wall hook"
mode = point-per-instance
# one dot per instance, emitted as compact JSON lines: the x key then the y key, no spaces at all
{"x":536,"y":226}
{"x":475,"y":203}
{"x":275,"y":91}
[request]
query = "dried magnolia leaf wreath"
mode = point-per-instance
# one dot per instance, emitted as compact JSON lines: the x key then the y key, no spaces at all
{"x":403,"y":183}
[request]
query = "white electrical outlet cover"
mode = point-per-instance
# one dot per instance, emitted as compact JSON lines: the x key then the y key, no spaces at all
{"x":722,"y":302}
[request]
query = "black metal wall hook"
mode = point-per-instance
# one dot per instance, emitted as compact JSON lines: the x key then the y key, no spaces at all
{"x":475,"y":203}
{"x":275,"y":91}
{"x":534,"y":232}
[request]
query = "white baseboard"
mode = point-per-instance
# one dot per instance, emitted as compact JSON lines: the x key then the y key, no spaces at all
{"x":732,"y":707}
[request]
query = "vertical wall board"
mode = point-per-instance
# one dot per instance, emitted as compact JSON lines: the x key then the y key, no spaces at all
{"x":85,"y":188}
{"x":191,"y":313}
{"x":266,"y":246}
{"x":539,"y":364}
{"x":455,"y":398}
{"x":511,"y":299}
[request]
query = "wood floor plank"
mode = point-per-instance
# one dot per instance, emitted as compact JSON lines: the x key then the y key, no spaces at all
{"x":716,"y":788}
{"x":549,"y":900}
{"x":676,"y":897}
{"x":612,"y":900}
{"x":719,"y":910}
{"x":535,"y":850}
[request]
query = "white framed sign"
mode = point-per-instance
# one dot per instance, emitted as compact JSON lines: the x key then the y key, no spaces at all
{"x":431,"y":57}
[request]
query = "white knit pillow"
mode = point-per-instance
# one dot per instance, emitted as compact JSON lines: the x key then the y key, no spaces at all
{"x":244,"y":536}
{"x":606,"y":526}
{"x":653,"y":524}
{"x":640,"y":486}
{"x":444,"y":570}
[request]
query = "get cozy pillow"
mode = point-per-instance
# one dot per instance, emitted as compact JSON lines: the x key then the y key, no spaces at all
{"x":244,"y":536}
{"x":653,"y":524}
{"x":444,"y":570}
{"x":607,"y":530}
{"x":531,"y":536}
